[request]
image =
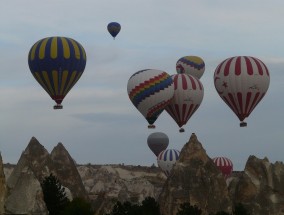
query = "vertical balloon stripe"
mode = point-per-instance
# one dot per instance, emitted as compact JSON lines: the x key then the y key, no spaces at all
{"x":218,"y":69}
{"x":228,"y":102}
{"x":83,"y":51}
{"x":177,"y":154}
{"x":184,"y":115}
{"x":63,"y":81}
{"x":175,"y":81}
{"x":32,"y":52}
{"x":78,"y":75}
{"x":171,"y":155}
{"x":55,"y":81}
{"x":240,"y":101}
{"x":259,"y":67}
{"x":248,"y":97}
{"x":53,"y":48}
{"x":255,"y":101}
{"x":200,"y":85}
{"x":249,"y":66}
{"x":72,"y":77}
{"x":178,"y":114}
{"x":76,"y":49}
{"x":192,"y":83}
{"x":47,"y":81}
{"x":232,"y":100}
{"x":184,"y":82}
{"x":42,"y":48}
{"x":39,"y":79}
{"x":238,"y":67}
{"x":165,"y":155}
{"x":227,"y":67}
{"x":66,"y":48}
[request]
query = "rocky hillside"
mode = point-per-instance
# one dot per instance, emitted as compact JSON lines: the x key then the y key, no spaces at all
{"x":194,"y":178}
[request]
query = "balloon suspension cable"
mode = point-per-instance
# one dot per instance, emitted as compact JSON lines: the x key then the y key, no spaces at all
{"x":151,"y":126}
{"x":181,"y":130}
{"x":58,"y":106}
{"x":243,"y":124}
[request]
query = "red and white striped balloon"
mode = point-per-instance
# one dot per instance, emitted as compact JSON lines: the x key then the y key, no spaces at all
{"x":188,"y":95}
{"x":225,"y":165}
{"x":242,"y":82}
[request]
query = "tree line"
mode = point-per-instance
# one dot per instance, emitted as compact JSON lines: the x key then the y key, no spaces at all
{"x":57,"y":203}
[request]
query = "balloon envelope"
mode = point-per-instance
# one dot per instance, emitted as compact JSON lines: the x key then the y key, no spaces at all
{"x":188,"y":95}
{"x":57,"y":63}
{"x":113,"y":28}
{"x":225,"y":165}
{"x":150,"y":91}
{"x":191,"y":65}
{"x":166,"y":159}
{"x":242,"y":82}
{"x":157,"y":142}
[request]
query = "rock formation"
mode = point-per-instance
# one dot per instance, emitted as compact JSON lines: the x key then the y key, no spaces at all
{"x":195,"y":179}
{"x":107,"y":184}
{"x":3,"y":188}
{"x":260,"y":188}
{"x":27,"y":196}
{"x":34,"y":164}
{"x":66,"y":171}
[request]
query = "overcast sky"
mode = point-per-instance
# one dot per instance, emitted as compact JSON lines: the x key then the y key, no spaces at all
{"x":98,"y":123}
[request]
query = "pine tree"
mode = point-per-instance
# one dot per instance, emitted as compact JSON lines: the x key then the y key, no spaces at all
{"x":54,"y":195}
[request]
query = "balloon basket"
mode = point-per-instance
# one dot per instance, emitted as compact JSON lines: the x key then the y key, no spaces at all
{"x":243,"y":124}
{"x":181,"y":130}
{"x":57,"y":106}
{"x":151,"y":126}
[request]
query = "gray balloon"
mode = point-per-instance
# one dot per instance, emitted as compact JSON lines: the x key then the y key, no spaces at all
{"x":157,"y":142}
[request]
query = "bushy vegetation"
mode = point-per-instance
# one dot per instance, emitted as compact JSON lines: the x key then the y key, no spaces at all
{"x":57,"y":202}
{"x":150,"y":207}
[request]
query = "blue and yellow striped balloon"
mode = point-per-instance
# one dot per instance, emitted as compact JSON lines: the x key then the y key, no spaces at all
{"x":57,"y":63}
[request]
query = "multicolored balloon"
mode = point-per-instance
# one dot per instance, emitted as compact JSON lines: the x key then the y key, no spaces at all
{"x":166,"y":159}
{"x":113,"y":28}
{"x":191,"y":65}
{"x":188,"y":95}
{"x":225,"y":165}
{"x":150,"y":91}
{"x":157,"y":142}
{"x":57,"y":63}
{"x":242,"y":82}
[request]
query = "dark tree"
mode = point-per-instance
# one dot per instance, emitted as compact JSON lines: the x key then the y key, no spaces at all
{"x":240,"y":210}
{"x":187,"y":209}
{"x":150,"y":206}
{"x":78,"y":206}
{"x":54,"y":195}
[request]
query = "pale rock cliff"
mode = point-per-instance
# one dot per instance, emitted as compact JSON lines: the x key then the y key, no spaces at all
{"x":66,"y":171}
{"x":260,"y":188}
{"x":195,"y":179}
{"x":27,"y":196}
{"x":107,"y":184}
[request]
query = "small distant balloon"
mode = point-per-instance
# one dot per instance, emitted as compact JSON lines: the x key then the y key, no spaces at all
{"x":57,"y":63}
{"x":157,"y":142}
{"x":166,"y":159}
{"x":191,"y":65}
{"x":113,"y":28}
{"x":242,"y":82}
{"x":225,"y":165}
{"x":150,"y":91}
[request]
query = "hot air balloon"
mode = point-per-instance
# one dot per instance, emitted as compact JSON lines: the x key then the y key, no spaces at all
{"x":225,"y":165}
{"x":166,"y":159}
{"x":113,"y":28}
{"x":157,"y":142}
{"x":191,"y":65}
{"x":188,"y":95}
{"x":150,"y":91}
{"x":57,"y":63}
{"x":242,"y":82}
